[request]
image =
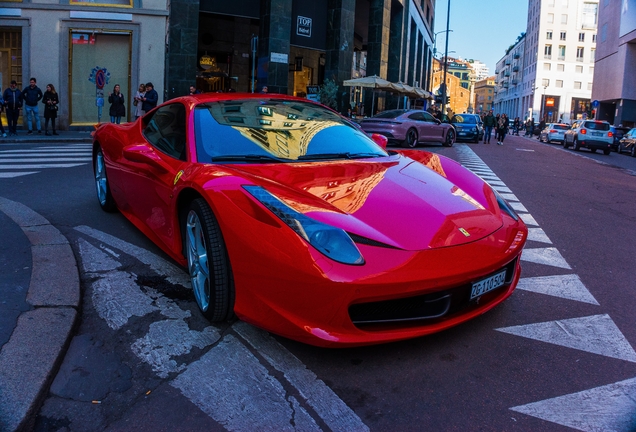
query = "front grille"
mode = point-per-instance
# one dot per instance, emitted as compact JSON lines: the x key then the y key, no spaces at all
{"x":430,"y":307}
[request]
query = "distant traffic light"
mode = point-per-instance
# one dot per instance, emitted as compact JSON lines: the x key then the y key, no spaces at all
{"x":448,"y":99}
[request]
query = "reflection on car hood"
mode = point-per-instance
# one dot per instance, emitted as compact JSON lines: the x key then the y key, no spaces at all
{"x":394,"y":200}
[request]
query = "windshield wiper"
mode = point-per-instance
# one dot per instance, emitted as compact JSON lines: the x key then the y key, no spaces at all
{"x":347,"y":155}
{"x":247,"y":158}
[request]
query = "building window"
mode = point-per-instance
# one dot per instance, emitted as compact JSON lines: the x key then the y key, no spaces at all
{"x":594,"y":38}
{"x":120,"y":3}
{"x":589,"y":86}
{"x":591,"y":70}
{"x":561,"y":52}
{"x":547,"y":52}
{"x":562,"y":36}
{"x":579,"y":54}
{"x":550,"y":18}
{"x":592,"y":54}
{"x":579,"y":69}
{"x":561,"y":67}
{"x":590,"y":12}
{"x":581,"y":37}
{"x":548,"y":35}
{"x":564,"y":18}
{"x":559,"y":83}
{"x":545,"y":82}
{"x":546,"y":66}
{"x":577,"y":85}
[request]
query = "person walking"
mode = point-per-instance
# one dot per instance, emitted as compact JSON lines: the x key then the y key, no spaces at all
{"x":502,"y":129}
{"x":516,"y":125}
{"x":117,"y":107}
{"x":150,"y":98}
{"x":489,"y":123}
{"x":13,"y":102}
{"x":529,"y":127}
{"x":31,"y":95}
{"x":50,"y":101}
{"x":542,"y":124}
{"x":138,"y":102}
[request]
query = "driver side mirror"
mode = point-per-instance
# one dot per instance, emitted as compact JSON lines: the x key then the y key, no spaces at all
{"x":380,"y":140}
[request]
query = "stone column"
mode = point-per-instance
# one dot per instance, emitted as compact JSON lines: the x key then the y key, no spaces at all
{"x":181,"y":55}
{"x":378,"y":46}
{"x":274,"y":36}
{"x":339,"y":49}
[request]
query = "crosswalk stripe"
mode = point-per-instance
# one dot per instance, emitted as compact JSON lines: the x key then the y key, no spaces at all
{"x":546,"y":256}
{"x":564,"y":286}
{"x":80,"y":159}
{"x":44,"y":154}
{"x":16,"y":174}
{"x":40,"y":166}
{"x":610,"y":407}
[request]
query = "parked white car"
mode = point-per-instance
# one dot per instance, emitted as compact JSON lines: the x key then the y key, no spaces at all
{"x":553,"y":132}
{"x":592,"y":134}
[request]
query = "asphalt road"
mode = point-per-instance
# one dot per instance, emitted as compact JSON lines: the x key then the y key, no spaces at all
{"x":558,"y":354}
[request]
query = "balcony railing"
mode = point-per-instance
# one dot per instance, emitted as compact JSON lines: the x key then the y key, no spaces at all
{"x":515,"y":68}
{"x":507,"y":74}
{"x":507,"y":62}
{"x":515,"y":82}
{"x":516,"y":56}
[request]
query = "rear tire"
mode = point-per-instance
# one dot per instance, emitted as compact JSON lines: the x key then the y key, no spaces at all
{"x":450,"y":138}
{"x":606,"y":152}
{"x":410,"y":141}
{"x":208,"y":262}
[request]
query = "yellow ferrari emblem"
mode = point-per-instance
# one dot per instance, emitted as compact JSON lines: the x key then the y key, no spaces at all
{"x":463,"y":231}
{"x":178,"y":176}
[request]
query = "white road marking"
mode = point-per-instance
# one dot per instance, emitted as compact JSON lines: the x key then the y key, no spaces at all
{"x":525,"y":150}
{"x":518,"y":207}
{"x":170,"y":338}
{"x":40,"y":166}
{"x":94,"y":260}
{"x":117,"y":297}
{"x":509,"y":197}
{"x":538,"y":235}
{"x":547,"y":256}
{"x":173,"y":273}
{"x":595,"y":334}
{"x":38,"y":153}
{"x":501,"y":189}
{"x":47,"y":159}
{"x":230,"y":385}
{"x":608,"y":408}
{"x":336,"y":414}
{"x":564,"y":286}
{"x":528,"y":219}
{"x":16,"y":174}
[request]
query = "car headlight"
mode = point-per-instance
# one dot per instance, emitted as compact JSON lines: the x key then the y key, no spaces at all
{"x":332,"y":242}
{"x":504,"y":206}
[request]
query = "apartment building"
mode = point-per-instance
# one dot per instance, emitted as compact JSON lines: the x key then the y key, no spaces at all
{"x":558,"y":60}
{"x":484,"y":94}
{"x":508,"y":96}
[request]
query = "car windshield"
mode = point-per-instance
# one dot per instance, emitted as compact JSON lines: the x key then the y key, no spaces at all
{"x":276,"y":130}
{"x":460,"y":118}
{"x":597,"y":126}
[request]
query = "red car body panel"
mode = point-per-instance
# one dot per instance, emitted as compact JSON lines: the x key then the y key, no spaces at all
{"x":440,"y":225}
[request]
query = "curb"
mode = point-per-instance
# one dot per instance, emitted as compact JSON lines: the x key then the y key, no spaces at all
{"x":32,"y":356}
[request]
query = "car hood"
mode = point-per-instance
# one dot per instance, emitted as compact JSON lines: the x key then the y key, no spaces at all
{"x":398,"y":201}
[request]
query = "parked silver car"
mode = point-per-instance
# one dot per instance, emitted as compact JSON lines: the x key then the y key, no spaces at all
{"x":592,"y":134}
{"x":553,"y":132}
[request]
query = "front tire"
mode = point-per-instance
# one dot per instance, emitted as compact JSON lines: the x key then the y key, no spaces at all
{"x":633,"y":152}
{"x":576,"y":144}
{"x":410,"y":141}
{"x":208,"y":262}
{"x":450,"y":138}
{"x":104,"y":196}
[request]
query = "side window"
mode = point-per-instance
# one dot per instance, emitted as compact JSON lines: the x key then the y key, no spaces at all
{"x":417,"y":116}
{"x":166,"y":130}
{"x":428,"y":117}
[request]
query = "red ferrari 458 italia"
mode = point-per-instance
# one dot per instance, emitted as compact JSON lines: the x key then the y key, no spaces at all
{"x":291,"y":218}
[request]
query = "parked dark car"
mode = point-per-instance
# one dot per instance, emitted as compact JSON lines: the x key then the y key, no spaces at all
{"x":619,"y":132}
{"x":469,"y":127}
{"x":409,"y":127}
{"x":628,"y":143}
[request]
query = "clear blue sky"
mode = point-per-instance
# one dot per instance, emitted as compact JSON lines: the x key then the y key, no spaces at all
{"x":482,"y":30}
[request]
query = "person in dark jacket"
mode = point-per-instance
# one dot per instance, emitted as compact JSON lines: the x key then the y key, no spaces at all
{"x":150,"y":98}
{"x":13,"y":102}
{"x":31,"y":95}
{"x":50,"y":101}
{"x":489,"y":124}
{"x":117,"y":106}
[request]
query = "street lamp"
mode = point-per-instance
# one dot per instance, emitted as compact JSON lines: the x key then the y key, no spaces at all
{"x":542,"y":109}
{"x":446,"y":59}
{"x":435,"y":40}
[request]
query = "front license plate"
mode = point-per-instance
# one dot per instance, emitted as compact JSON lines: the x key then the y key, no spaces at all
{"x":488,"y":284}
{"x":461,"y":133}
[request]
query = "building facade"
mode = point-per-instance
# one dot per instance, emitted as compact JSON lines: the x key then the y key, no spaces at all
{"x":83,"y":49}
{"x":614,"y":80}
{"x":484,"y":95}
{"x":459,"y":96}
{"x":558,"y":63}
{"x":291,"y":46}
{"x":508,"y":97}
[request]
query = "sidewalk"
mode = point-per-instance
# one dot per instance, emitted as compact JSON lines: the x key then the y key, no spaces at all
{"x":63,"y":137}
{"x":42,"y":327}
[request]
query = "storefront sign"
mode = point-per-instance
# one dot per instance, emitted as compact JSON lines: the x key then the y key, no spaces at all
{"x":303,"y":26}
{"x":278,"y":58}
{"x":206,"y":62}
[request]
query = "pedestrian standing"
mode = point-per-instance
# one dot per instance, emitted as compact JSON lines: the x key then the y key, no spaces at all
{"x":194,"y":90}
{"x":516,"y":126}
{"x":542,"y":124}
{"x":31,"y":95}
{"x":13,"y":102}
{"x":529,"y":127}
{"x":51,"y":102}
{"x":138,"y":102}
{"x":150,"y":98}
{"x":489,"y":123}
{"x":117,"y":107}
{"x":502,"y":128}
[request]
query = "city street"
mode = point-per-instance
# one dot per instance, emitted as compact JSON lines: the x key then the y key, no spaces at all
{"x":558,"y":355}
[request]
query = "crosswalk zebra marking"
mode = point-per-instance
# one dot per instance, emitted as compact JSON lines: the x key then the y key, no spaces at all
{"x":22,"y":162}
